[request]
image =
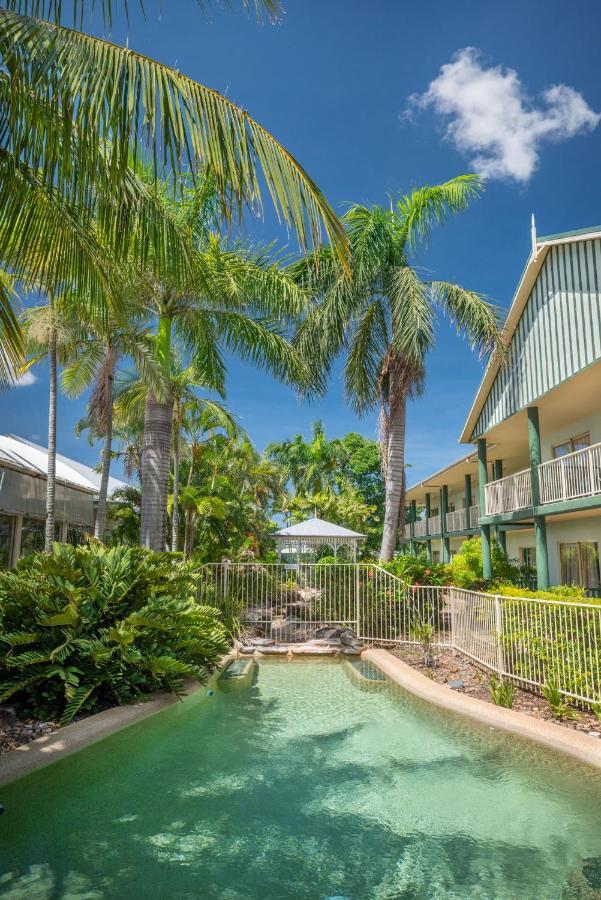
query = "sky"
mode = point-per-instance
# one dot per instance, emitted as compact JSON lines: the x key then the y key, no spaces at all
{"x":375,"y":97}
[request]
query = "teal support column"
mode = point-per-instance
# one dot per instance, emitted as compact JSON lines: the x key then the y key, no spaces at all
{"x":444,"y":508}
{"x":428,"y":542}
{"x":412,"y":520}
{"x":484,"y":529}
{"x":540,"y":524}
{"x":501,"y":535}
{"x":468,"y":499}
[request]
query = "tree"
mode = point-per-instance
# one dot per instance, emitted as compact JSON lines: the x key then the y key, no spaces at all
{"x":312,"y":466}
{"x":96,"y":352}
{"x":384,"y":315}
{"x":78,"y":112}
{"x":235,"y":301}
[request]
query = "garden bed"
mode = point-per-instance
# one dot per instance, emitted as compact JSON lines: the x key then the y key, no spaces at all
{"x":17,"y":732}
{"x":453,"y":667}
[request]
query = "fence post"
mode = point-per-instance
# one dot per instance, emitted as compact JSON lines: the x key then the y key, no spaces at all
{"x":225,"y":579}
{"x":499,"y":631}
{"x":453,"y":606}
{"x":357,"y":598}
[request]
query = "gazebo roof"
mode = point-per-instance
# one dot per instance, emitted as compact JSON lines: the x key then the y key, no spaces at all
{"x":318,"y":528}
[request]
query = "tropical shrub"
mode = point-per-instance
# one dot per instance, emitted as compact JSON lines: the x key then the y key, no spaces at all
{"x":466,"y":566}
{"x":86,"y":628}
{"x":571,"y":592}
{"x":502,"y":692}
{"x":423,"y":632}
{"x":417,"y":569}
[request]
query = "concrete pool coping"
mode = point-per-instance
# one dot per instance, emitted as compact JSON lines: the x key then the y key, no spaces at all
{"x":64,"y":741}
{"x":581,"y":746}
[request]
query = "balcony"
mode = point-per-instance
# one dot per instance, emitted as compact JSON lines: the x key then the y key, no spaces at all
{"x":571,"y":476}
{"x":420,"y":528}
{"x":474,"y":516}
{"x":508,"y":494}
{"x":457,"y":520}
{"x":434,"y":525}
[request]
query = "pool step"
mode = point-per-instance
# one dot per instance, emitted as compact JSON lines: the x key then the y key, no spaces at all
{"x":365,"y":674}
{"x":238,"y":674}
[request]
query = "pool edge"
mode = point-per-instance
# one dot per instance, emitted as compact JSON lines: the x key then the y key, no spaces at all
{"x":48,"y":749}
{"x":583,"y":747}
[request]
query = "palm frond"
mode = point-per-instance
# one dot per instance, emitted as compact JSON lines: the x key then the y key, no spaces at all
{"x":367,"y":348}
{"x":12,"y":351}
{"x":411,"y":311}
{"x":472,"y":314}
{"x":102,"y":90}
{"x":432,"y":204}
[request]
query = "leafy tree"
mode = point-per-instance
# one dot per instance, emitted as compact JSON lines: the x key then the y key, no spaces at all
{"x":383,"y":316}
{"x":312,"y":466}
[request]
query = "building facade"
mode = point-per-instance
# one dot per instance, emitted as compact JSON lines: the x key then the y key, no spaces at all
{"x":533,"y":478}
{"x":23,"y":474}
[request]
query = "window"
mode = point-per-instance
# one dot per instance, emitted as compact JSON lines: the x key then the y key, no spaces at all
{"x":32,"y":535}
{"x":6,"y":541}
{"x":579,"y":563}
{"x":580,"y":442}
{"x":76,"y":535}
{"x":436,"y":556}
{"x":528,"y":558}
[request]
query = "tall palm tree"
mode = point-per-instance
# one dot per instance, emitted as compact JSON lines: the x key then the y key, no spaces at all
{"x":384,"y":317}
{"x":76,"y":111}
{"x":97,"y":349}
{"x":235,"y":301}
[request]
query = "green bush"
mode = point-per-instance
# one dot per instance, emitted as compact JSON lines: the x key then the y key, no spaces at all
{"x":502,"y":692}
{"x":86,"y":628}
{"x":571,"y":592}
{"x":466,"y":566}
{"x":417,"y":569}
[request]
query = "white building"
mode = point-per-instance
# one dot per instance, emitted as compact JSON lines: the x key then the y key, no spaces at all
{"x":533,"y":479}
{"x":23,"y":473}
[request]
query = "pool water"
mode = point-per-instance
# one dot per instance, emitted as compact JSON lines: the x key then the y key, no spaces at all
{"x":303,"y":785}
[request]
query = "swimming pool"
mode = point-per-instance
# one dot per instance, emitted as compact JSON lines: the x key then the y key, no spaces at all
{"x":302,"y":785}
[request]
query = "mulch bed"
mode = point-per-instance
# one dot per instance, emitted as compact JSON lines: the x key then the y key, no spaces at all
{"x":451,"y":667}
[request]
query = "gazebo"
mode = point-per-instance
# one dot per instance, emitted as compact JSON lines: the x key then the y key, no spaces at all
{"x":307,"y":536}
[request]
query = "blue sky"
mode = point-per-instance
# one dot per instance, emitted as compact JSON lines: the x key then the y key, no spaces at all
{"x":332,"y":81}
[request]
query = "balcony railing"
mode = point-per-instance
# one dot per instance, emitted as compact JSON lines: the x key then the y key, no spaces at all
{"x":420,"y":528}
{"x":508,"y":494}
{"x":434,"y":525}
{"x":571,"y":476}
{"x":474,"y":516}
{"x":457,"y":520}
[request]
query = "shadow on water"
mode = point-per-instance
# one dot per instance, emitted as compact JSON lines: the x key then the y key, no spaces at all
{"x":301,"y":786}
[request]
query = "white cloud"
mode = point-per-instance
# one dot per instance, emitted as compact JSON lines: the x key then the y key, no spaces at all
{"x":25,"y":379}
{"x":490,"y":118}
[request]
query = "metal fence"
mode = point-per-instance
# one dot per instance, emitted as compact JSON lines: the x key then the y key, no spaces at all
{"x":533,"y":642}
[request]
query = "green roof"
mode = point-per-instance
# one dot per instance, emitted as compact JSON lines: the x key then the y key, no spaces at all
{"x":567,"y":234}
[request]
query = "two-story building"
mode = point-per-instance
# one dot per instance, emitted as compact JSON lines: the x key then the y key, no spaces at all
{"x":533,"y":477}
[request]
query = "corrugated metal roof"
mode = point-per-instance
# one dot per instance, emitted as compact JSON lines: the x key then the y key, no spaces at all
{"x":29,"y":457}
{"x":316,"y":527}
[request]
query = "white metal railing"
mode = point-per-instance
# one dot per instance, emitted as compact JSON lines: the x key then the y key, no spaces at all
{"x":530,"y":641}
{"x":456,"y":520}
{"x":574,"y":475}
{"x":508,"y":494}
{"x":434,"y":525}
{"x":474,"y":516}
{"x":420,"y":528}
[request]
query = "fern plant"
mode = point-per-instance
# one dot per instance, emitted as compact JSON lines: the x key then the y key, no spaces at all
{"x":557,"y":701}
{"x":423,"y":632}
{"x":502,"y":692}
{"x":86,"y":628}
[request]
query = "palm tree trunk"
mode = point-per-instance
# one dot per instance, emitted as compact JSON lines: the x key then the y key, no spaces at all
{"x":175,"y":504}
{"x":189,"y":533}
{"x":156,"y":457}
{"x":99,"y":527}
{"x":51,"y":476}
{"x":395,"y":476}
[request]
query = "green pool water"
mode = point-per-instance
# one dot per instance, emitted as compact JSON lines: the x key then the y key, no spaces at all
{"x":304,"y":786}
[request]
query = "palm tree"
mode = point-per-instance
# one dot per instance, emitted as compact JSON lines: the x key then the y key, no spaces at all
{"x":96,"y":353}
{"x":234,"y":302}
{"x":383,"y":317}
{"x":312,"y":466}
{"x":78,"y":111}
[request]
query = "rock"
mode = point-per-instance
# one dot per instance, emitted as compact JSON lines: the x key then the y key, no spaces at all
{"x":275,"y":650}
{"x":329,"y":631}
{"x":8,"y":714}
{"x":456,"y":684}
{"x":255,"y":615}
{"x":594,"y":733}
{"x":261,"y":642}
